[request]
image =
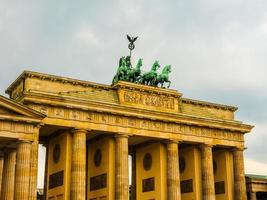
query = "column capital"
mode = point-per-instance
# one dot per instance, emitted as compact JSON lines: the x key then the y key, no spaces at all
{"x":202,"y":145}
{"x":79,"y":130}
{"x":121,"y":135}
{"x":40,"y":125}
{"x":23,"y":141}
{"x":176,"y":141}
{"x":239,"y":148}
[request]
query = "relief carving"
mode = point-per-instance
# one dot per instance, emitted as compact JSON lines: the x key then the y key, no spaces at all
{"x":118,"y":120}
{"x":89,"y":117}
{"x":43,"y":110}
{"x":110,"y":119}
{"x":149,"y":99}
{"x":59,"y":112}
{"x":75,"y":114}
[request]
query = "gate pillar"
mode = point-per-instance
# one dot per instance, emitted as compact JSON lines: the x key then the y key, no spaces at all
{"x":151,"y":172}
{"x":101,"y":169}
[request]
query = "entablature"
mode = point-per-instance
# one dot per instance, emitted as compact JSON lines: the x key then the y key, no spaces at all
{"x":71,"y":103}
{"x":123,"y":93}
{"x":18,"y":121}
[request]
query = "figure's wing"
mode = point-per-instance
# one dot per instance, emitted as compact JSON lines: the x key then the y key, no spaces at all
{"x":129,"y":38}
{"x":135,"y":39}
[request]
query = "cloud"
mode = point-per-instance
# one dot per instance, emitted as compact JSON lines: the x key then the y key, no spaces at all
{"x":256,"y":143}
{"x":255,"y":167}
{"x":217,"y":49}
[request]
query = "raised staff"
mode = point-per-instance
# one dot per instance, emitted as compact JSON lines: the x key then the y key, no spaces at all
{"x":131,"y":45}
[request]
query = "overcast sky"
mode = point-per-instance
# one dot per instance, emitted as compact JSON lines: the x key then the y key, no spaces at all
{"x":217,"y":49}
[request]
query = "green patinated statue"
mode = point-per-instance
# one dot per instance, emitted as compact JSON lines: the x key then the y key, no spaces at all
{"x":121,"y":71}
{"x":126,"y":72}
{"x":149,"y":78}
{"x":134,"y":73}
{"x":164,"y":76}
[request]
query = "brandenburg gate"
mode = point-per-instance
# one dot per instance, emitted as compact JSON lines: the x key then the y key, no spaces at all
{"x":180,"y":148}
{"x":129,"y":140}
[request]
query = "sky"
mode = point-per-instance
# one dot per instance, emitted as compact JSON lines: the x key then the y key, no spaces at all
{"x":217,"y":49}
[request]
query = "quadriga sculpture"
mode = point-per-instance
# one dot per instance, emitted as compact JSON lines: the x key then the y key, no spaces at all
{"x":126,"y":72}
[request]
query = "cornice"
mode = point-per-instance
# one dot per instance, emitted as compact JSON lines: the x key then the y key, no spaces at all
{"x":20,"y":119}
{"x":208,"y":104}
{"x":50,"y":77}
{"x":146,"y":88}
{"x":20,"y":108}
{"x":78,"y":103}
{"x":120,"y":84}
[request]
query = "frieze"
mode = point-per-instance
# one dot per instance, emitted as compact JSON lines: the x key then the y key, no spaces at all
{"x":149,"y":99}
{"x":138,"y":123}
{"x":16,"y":127}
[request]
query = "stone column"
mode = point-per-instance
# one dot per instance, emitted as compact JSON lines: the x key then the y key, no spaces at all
{"x":208,"y":190}
{"x":121,"y":165}
{"x":239,"y":175}
{"x":173,"y":178}
{"x":1,"y":169}
{"x":34,"y":169}
{"x":253,"y":196}
{"x":78,"y":165}
{"x":22,"y":178}
{"x":8,"y":180}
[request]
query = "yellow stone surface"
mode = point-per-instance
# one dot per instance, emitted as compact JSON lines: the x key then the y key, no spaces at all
{"x":158,"y":172}
{"x":191,"y":174}
{"x":106,"y":167}
{"x":64,"y":140}
{"x":224,"y":174}
{"x":45,"y":108}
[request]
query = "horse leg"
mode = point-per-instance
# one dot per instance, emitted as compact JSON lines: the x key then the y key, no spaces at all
{"x":169,"y":83}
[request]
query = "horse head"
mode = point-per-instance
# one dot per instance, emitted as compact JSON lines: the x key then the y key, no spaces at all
{"x":155,"y":66}
{"x":166,"y":69}
{"x":139,"y":63}
{"x":122,"y":60}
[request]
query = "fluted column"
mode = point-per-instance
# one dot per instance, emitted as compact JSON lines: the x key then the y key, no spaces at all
{"x":8,"y":180}
{"x":239,"y":175}
{"x":33,"y":171}
{"x":253,"y":196}
{"x":22,"y":178}
{"x":121,"y":165}
{"x":78,"y":165}
{"x":1,"y":169}
{"x":208,"y":191}
{"x":173,"y":179}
